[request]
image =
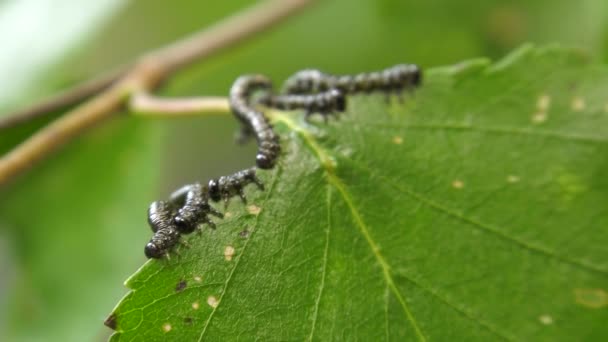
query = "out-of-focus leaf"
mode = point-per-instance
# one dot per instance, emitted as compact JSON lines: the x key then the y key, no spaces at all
{"x":36,"y":34}
{"x":71,"y":232}
{"x":474,"y":211}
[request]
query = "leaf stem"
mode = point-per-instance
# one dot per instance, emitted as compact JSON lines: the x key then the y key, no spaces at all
{"x":145,"y":104}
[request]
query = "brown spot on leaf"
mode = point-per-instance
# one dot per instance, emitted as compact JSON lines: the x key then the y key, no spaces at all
{"x":181,"y":286}
{"x":110,"y":322}
{"x":244,"y":234}
{"x":188,"y":320}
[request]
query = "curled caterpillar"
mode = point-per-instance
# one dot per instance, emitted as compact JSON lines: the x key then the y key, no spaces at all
{"x":227,"y":186}
{"x":189,"y":206}
{"x":254,"y":122}
{"x":311,"y":90}
{"x":396,"y":78}
{"x":195,"y":209}
{"x":325,"y":103}
{"x":166,"y":235}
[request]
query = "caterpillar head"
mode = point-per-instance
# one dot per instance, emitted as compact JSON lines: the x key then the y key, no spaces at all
{"x":153,"y":251}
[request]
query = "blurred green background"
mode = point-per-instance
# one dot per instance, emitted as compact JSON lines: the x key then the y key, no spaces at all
{"x":73,"y":229}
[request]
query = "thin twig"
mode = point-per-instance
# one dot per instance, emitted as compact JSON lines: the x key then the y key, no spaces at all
{"x":150,"y":105}
{"x":144,"y":77}
{"x":62,"y":100}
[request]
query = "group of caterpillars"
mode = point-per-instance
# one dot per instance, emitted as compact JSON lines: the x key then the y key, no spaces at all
{"x":310,"y":90}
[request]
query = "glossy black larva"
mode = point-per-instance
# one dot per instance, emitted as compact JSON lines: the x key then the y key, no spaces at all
{"x":325,"y":103}
{"x":195,"y":209}
{"x":166,"y":235}
{"x":394,"y":79}
{"x":311,"y":90}
{"x":225,"y":187}
{"x":254,"y":122}
{"x":188,"y":207}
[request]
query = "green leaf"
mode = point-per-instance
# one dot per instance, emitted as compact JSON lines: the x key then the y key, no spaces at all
{"x":66,"y":237}
{"x":474,"y":211}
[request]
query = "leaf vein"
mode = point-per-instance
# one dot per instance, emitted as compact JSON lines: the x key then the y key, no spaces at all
{"x":240,"y":256}
{"x":488,"y":228}
{"x":494,"y":130}
{"x":324,"y":267}
{"x":327,"y":162}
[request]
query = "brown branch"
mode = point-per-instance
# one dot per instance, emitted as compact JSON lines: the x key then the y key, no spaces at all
{"x":62,"y":100}
{"x":150,"y":105}
{"x":150,"y":70}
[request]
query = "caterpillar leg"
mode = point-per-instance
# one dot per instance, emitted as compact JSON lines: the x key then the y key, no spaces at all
{"x":215,"y":213}
{"x":226,"y":202}
{"x":257,"y":181}
{"x":241,"y":194}
{"x":210,"y":223}
{"x":400,"y":96}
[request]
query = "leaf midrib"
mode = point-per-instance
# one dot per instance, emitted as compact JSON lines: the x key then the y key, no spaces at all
{"x":328,"y":165}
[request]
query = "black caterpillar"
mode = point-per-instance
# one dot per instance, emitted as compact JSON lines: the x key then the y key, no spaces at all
{"x":324,"y":103}
{"x":396,"y":78}
{"x":160,"y":218}
{"x":189,"y":206}
{"x":195,"y":209}
{"x":253,"y":121}
{"x":228,"y":186}
{"x":312,"y":90}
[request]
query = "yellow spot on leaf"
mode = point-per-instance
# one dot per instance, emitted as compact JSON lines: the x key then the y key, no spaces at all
{"x":543,"y":103}
{"x":539,"y":117}
{"x":578,"y":104}
{"x":196,"y":305}
{"x":212,"y":301}
{"x":546,"y":319}
{"x":228,"y":253}
{"x":591,"y":298}
{"x":198,"y":279}
{"x":397,"y":140}
{"x":512,"y":179}
{"x":228,"y":214}
{"x":457,"y":184}
{"x":254,"y":209}
{"x":166,"y":327}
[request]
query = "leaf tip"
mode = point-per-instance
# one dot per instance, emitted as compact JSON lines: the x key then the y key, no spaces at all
{"x":111,"y":322}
